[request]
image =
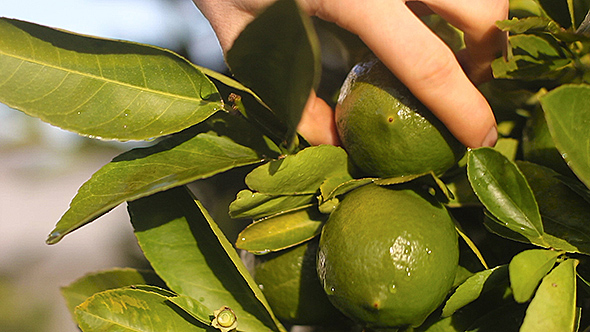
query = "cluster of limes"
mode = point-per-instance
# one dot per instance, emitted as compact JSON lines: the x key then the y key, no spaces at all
{"x":388,"y":255}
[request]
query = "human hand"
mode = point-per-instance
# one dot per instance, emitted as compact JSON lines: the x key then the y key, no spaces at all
{"x":445,"y":82}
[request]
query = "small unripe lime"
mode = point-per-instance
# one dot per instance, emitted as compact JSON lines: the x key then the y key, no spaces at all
{"x":290,"y":283}
{"x":386,"y":131}
{"x":388,"y":256}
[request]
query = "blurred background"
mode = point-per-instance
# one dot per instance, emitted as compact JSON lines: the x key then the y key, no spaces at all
{"x":41,"y":167}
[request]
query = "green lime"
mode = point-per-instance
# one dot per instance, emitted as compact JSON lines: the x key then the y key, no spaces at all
{"x":290,"y":283}
{"x":386,"y":131}
{"x":388,"y":255}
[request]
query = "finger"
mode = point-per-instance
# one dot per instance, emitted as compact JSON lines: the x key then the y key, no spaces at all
{"x":422,"y":62}
{"x":483,"y":40}
{"x":317,"y":124}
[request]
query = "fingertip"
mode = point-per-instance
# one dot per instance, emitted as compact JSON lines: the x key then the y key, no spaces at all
{"x":491,"y":138}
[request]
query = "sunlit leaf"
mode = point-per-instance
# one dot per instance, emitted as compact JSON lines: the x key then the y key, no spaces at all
{"x":193,"y":307}
{"x":568,"y":118}
{"x":83,"y":288}
{"x":133,"y":310}
{"x":504,"y":191}
{"x":189,"y":252}
{"x":301,"y":173}
{"x":277,"y":56}
{"x":200,"y":152}
{"x":473,"y":287}
{"x":281,"y":231}
{"x":100,"y":88}
{"x":254,"y":205}
{"x":526,"y":270}
{"x":554,"y":306}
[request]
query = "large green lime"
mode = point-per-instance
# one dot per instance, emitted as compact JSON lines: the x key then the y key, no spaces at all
{"x":388,"y":255}
{"x":290,"y":283}
{"x":386,"y":131}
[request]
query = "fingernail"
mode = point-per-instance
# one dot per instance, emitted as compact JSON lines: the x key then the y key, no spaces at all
{"x":491,"y":138}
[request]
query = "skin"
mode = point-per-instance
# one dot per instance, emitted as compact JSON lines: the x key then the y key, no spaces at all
{"x":445,"y":82}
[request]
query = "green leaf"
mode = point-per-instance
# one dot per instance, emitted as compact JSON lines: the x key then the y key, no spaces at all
{"x":554,"y":306}
{"x":504,"y":191}
{"x":189,"y":252}
{"x":540,"y":25}
{"x":301,"y":173}
{"x":526,"y":67}
{"x":83,"y":288}
{"x":282,"y":231}
{"x":133,"y":310}
{"x":256,"y":205}
{"x":474,"y":287}
{"x":218,"y":145}
{"x":527,"y":269}
{"x":100,"y":88}
{"x":564,"y":212}
{"x":193,"y":308}
{"x":535,"y":46}
{"x":248,"y":104}
{"x":568,"y":118}
{"x":277,"y":56}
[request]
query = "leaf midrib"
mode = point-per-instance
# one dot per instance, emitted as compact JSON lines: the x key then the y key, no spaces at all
{"x":108,"y":80}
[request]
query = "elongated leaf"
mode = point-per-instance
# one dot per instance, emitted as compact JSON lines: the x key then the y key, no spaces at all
{"x":85,"y":287}
{"x":194,"y":308}
{"x":189,"y":252}
{"x":564,"y":212}
{"x":568,"y":117}
{"x":473,"y":287}
{"x":133,"y":310}
{"x":504,"y":191}
{"x":100,"y":88}
{"x":554,"y":306}
{"x":191,"y":155}
{"x":527,"y":269}
{"x":256,"y":205}
{"x":281,"y":232}
{"x":249,"y":104}
{"x":302,"y":173}
{"x":277,"y":56}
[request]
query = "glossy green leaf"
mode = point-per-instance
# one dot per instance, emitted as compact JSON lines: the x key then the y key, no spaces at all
{"x":526,"y":270}
{"x":277,"y":56}
{"x":200,"y":152}
{"x":568,"y":118}
{"x":473,"y":287}
{"x":554,"y":306}
{"x":254,"y":205}
{"x":194,"y":308}
{"x":301,"y":173}
{"x":504,"y":191}
{"x":100,"y":88}
{"x":564,"y":212}
{"x":347,"y":186}
{"x":281,"y":231}
{"x":189,"y":252}
{"x":83,"y":288}
{"x":133,"y":310}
